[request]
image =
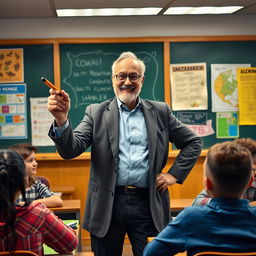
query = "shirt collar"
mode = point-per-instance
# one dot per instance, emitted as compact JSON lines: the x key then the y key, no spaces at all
{"x":122,"y":106}
{"x":228,"y":202}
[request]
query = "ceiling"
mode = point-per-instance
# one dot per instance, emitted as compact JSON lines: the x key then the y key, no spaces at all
{"x":11,"y":9}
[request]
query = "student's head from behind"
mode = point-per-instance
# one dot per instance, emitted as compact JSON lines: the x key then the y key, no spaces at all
{"x":12,"y":173}
{"x":250,"y":144}
{"x":128,"y":77}
{"x":227,"y":170}
{"x":27,"y":151}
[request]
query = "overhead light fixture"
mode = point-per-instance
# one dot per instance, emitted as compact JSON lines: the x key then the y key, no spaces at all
{"x":108,"y":12}
{"x":202,"y":10}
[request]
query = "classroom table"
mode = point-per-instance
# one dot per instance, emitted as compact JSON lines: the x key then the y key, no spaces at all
{"x":253,"y":203}
{"x":70,"y":210}
{"x":177,"y":205}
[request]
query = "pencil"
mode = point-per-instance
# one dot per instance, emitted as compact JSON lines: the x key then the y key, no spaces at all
{"x":48,"y":83}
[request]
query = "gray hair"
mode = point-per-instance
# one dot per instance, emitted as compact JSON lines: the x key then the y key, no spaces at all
{"x":129,"y":55}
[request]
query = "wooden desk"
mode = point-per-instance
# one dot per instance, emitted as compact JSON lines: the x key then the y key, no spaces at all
{"x":69,"y":207}
{"x":70,"y":210}
{"x":67,"y":191}
{"x":253,"y":203}
{"x":177,"y":205}
{"x":180,"y":204}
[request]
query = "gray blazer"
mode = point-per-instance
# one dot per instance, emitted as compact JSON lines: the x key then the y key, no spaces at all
{"x":100,"y":129}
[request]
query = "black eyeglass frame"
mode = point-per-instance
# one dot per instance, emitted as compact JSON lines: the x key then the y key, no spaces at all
{"x":129,"y":76}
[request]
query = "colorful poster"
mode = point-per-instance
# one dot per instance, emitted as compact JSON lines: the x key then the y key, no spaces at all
{"x":188,"y":86}
{"x":224,"y":87}
{"x":41,"y":120}
{"x":227,"y":125}
{"x":246,"y":78}
{"x":11,"y":65}
{"x":13,"y":114}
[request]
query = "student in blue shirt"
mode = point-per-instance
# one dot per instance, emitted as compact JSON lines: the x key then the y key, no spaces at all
{"x":227,"y":222}
{"x":250,"y":194}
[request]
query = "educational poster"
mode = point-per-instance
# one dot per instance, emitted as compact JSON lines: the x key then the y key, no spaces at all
{"x":13,"y":113}
{"x":41,"y":120}
{"x":188,"y":86}
{"x":224,"y":87}
{"x":227,"y":125}
{"x":246,"y":78}
{"x":197,"y":122}
{"x":11,"y":65}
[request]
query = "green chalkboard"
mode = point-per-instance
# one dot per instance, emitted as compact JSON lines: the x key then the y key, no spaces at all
{"x":38,"y":62}
{"x":86,"y":72}
{"x":231,"y":52}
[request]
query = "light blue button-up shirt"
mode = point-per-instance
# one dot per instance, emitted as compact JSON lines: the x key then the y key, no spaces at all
{"x":133,"y":162}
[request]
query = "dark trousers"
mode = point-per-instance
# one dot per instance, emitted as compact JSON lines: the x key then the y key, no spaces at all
{"x":131,"y":215}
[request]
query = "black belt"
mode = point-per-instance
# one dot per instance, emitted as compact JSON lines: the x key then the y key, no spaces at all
{"x":131,"y":190}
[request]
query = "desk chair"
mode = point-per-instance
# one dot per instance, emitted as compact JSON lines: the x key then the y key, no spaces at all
{"x":19,"y":253}
{"x":212,"y":253}
{"x":44,"y":180}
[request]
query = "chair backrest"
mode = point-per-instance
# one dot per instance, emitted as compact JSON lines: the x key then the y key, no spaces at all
{"x":209,"y":253}
{"x":18,"y":253}
{"x":44,"y":180}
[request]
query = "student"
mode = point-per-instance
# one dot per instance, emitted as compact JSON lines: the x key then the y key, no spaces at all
{"x":35,"y":189}
{"x":227,"y":223}
{"x":27,"y":227}
{"x":250,"y":194}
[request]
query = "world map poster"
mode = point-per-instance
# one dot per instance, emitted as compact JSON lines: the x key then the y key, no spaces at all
{"x":224,"y":87}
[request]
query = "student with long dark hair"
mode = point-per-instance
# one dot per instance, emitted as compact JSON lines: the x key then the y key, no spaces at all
{"x":27,"y":227}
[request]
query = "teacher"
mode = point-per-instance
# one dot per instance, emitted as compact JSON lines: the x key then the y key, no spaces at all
{"x":129,"y":138}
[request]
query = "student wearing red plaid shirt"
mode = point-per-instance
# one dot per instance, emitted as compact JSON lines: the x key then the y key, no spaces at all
{"x":250,"y":194}
{"x":27,"y":227}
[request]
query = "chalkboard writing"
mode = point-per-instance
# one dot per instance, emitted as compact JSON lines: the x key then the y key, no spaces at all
{"x":87,"y":76}
{"x":198,"y":118}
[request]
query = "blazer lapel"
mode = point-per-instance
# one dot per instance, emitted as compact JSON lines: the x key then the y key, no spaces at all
{"x":112,"y":125}
{"x":151,"y":124}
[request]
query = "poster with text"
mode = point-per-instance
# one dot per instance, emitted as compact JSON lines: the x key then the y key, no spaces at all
{"x":41,"y":121}
{"x":246,"y":78}
{"x":188,"y":86}
{"x":13,"y":111}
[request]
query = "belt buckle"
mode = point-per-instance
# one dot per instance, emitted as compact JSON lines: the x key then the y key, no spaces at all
{"x":129,"y":189}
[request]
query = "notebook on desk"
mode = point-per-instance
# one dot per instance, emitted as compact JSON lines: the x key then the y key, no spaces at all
{"x":71,"y":223}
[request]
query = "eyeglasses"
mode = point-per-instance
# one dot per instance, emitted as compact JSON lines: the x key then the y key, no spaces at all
{"x":121,"y":77}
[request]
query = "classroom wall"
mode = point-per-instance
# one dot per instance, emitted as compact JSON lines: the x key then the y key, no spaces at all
{"x":76,"y":172}
{"x":95,"y":27}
